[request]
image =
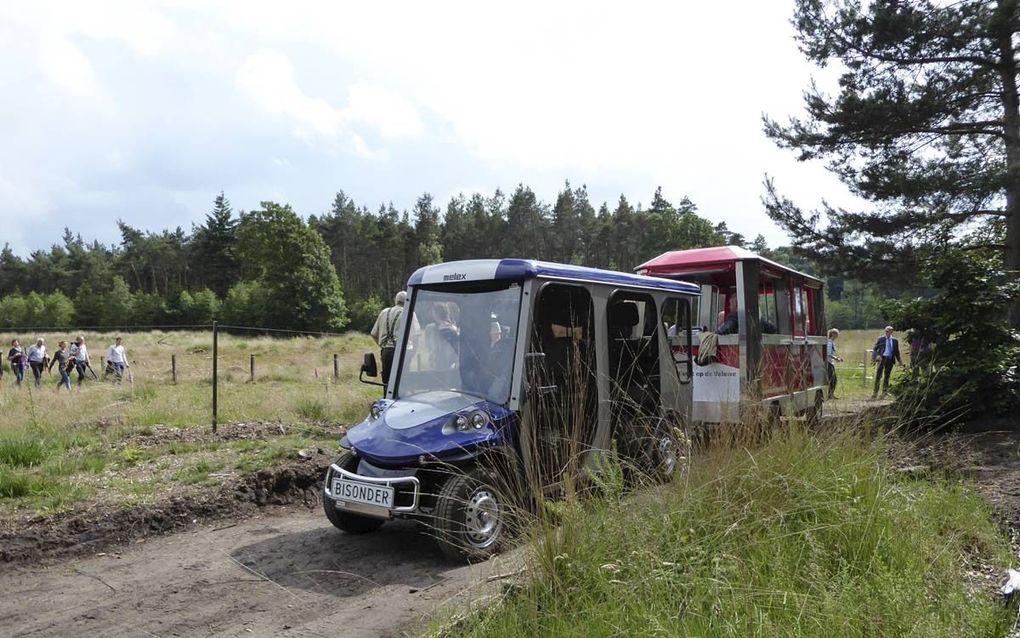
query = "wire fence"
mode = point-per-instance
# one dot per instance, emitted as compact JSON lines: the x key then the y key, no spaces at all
{"x":173,"y":359}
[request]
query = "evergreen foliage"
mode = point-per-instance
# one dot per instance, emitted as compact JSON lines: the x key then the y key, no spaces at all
{"x":924,"y":124}
{"x":964,"y":374}
{"x":269,"y":267}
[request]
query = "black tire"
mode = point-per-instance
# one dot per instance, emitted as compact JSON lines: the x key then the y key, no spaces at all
{"x":345,"y":521}
{"x":472,"y":515}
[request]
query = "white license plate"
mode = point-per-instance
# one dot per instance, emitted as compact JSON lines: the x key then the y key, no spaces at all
{"x":367,"y":493}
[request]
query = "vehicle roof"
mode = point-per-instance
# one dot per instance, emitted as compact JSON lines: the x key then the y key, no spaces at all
{"x":677,"y":263}
{"x":496,"y":269}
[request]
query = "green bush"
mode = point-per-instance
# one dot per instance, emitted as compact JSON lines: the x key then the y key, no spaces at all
{"x":364,"y":312}
{"x":971,"y":343}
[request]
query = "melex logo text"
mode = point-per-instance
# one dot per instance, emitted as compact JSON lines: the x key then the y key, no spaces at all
{"x":457,"y":276}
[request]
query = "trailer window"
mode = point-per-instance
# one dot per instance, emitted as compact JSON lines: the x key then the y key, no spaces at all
{"x":799,"y":314}
{"x":784,"y":324}
{"x":811,"y":308}
{"x":676,"y":323}
{"x":767,"y":308}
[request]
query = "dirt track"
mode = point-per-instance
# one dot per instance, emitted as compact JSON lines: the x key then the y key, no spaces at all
{"x":290,"y":574}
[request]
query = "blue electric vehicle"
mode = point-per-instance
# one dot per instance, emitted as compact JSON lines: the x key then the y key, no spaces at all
{"x":510,"y":378}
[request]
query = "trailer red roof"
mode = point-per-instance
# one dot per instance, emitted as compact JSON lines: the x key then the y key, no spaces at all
{"x":705,"y":260}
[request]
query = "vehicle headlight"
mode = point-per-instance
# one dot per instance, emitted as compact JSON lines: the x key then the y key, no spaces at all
{"x":479,"y":420}
{"x":467,"y":422}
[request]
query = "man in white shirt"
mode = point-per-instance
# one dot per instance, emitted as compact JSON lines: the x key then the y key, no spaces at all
{"x":117,"y":357}
{"x":37,"y":359}
{"x":81,"y":357}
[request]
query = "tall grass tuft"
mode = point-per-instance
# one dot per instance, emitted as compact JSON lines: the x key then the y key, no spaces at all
{"x":804,"y":535}
{"x":21,"y":451}
{"x":16,"y":483}
{"x":311,"y":409}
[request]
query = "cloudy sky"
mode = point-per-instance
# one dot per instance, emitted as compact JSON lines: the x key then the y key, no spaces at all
{"x":144,"y":111}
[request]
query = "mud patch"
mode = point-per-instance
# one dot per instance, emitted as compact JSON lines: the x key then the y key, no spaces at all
{"x":255,"y":430}
{"x":91,"y":529}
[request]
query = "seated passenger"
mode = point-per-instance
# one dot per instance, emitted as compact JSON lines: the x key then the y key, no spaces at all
{"x":440,"y":339}
{"x":730,"y":325}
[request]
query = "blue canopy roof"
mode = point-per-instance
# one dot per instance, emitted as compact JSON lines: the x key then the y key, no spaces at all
{"x":520,"y":269}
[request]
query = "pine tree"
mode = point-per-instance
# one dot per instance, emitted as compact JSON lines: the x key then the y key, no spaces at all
{"x":426,"y":231}
{"x":925,"y":124}
{"x":212,"y":247}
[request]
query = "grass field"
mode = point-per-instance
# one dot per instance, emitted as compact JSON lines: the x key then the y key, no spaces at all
{"x":98,"y":440}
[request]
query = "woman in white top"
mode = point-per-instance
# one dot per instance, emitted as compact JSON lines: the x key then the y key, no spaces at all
{"x":117,"y":357}
{"x":37,"y":359}
{"x":80,"y":355}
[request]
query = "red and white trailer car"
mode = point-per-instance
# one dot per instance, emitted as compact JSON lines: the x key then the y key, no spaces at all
{"x":769,"y":323}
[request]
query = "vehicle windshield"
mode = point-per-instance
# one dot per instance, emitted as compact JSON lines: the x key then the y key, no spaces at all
{"x":461,"y":338}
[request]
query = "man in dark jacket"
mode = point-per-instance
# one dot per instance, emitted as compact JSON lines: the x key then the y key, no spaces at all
{"x":885,"y":353}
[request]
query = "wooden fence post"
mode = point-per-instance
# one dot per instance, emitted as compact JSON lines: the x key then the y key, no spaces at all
{"x":215,"y":362}
{"x":251,"y":365}
{"x":173,"y":368}
{"x":336,"y":368}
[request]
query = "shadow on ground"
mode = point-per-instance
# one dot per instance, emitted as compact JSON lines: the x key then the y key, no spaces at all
{"x":328,"y":561}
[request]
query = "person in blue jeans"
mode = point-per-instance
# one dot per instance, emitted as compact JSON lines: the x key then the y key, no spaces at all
{"x":18,"y":360}
{"x":60,"y":360}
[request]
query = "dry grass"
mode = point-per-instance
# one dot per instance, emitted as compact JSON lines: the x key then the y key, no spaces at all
{"x":58,"y":447}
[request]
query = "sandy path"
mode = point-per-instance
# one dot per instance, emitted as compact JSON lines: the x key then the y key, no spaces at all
{"x":286,"y":575}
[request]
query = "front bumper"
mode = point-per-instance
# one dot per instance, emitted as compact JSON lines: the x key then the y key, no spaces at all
{"x":407,"y":490}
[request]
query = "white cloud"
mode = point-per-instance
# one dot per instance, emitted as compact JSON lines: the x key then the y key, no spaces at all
{"x":267,"y":77}
{"x":68,"y":68}
{"x":383,"y":110}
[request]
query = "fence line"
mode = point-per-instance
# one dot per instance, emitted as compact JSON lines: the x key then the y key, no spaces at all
{"x":213,"y":327}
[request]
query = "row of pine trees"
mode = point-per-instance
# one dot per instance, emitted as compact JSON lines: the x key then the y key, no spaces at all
{"x":271,"y":267}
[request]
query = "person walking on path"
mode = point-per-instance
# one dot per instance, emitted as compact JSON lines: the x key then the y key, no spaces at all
{"x":18,"y":360}
{"x":60,"y":358}
{"x":384,"y":332}
{"x":116,"y":356}
{"x":80,"y":354}
{"x":831,"y":358}
{"x":885,"y":353}
{"x":37,"y":359}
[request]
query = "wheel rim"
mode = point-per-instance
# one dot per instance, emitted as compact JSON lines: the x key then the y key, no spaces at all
{"x":482,"y":518}
{"x":667,"y":456}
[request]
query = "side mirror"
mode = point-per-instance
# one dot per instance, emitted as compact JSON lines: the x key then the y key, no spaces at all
{"x":368,"y":365}
{"x":369,"y":369}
